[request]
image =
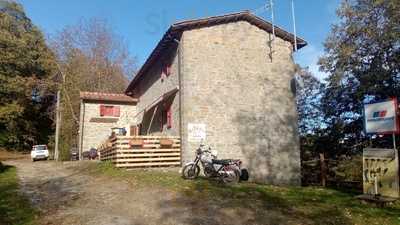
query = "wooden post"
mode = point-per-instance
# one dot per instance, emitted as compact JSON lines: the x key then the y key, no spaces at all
{"x":397,"y":160}
{"x":323,"y":169}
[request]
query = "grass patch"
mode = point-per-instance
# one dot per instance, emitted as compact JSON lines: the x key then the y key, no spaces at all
{"x":310,"y":204}
{"x":14,"y":208}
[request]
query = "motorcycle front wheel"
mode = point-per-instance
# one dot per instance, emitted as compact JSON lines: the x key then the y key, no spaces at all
{"x":190,"y":171}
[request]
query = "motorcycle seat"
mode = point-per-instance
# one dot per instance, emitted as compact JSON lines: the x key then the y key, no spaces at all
{"x":222,"y":161}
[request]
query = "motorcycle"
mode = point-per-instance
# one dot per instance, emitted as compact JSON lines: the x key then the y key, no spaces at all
{"x":228,"y":170}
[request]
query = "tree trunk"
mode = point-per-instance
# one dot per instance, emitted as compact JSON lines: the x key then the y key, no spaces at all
{"x":323,"y":169}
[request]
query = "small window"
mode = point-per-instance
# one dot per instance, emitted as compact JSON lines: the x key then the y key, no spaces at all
{"x":166,"y":118}
{"x":109,"y":110}
{"x":166,"y":71}
{"x":169,"y":117}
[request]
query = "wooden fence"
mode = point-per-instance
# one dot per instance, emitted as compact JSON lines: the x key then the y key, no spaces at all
{"x":141,"y":151}
{"x":341,"y":172}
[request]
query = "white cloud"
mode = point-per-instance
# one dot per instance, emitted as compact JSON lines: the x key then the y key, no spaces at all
{"x":308,"y":57}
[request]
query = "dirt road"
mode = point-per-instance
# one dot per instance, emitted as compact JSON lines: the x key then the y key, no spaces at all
{"x":65,"y":194}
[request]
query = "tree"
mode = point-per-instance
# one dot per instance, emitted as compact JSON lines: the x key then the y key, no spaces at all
{"x":26,"y":63}
{"x":91,"y":57}
{"x":362,"y":58}
{"x":308,"y":102}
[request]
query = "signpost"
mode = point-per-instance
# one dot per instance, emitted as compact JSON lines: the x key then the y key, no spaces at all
{"x":381,"y":118}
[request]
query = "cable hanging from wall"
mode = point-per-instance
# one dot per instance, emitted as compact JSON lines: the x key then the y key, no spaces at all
{"x":269,"y":6}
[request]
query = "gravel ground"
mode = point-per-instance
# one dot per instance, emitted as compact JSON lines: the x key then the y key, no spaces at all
{"x":65,"y":194}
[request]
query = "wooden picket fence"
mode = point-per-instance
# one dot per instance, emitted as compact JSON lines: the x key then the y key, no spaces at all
{"x":141,"y":151}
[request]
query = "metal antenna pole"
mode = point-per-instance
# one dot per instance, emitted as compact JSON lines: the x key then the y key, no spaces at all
{"x":294,"y":27}
{"x":271,"y":5}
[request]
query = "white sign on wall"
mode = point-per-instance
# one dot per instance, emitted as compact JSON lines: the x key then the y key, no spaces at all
{"x":381,"y":117}
{"x":196,"y":132}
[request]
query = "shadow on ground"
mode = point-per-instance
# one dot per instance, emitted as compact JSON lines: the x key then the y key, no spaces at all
{"x":209,"y":202}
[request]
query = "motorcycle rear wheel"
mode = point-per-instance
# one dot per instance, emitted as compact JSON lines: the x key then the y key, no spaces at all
{"x":190,"y":171}
{"x":231,"y":179}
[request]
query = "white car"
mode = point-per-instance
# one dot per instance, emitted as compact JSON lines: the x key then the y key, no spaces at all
{"x":39,"y":152}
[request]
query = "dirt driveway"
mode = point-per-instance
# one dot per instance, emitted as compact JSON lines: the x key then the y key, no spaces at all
{"x":65,"y":194}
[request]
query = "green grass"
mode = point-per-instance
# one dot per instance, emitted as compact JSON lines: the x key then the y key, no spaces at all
{"x":312,"y":204}
{"x":14,"y":208}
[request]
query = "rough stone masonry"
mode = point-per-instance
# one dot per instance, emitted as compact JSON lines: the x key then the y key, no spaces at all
{"x":244,"y":97}
{"x":237,"y":83}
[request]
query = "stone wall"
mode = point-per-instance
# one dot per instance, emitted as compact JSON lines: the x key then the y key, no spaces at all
{"x":96,"y":128}
{"x":243,"y":96}
{"x":151,"y":88}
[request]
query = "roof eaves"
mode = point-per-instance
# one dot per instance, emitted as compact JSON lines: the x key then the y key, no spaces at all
{"x":176,"y":29}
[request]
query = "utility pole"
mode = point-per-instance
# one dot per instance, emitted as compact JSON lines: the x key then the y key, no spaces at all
{"x":58,"y":121}
{"x":58,"y":116}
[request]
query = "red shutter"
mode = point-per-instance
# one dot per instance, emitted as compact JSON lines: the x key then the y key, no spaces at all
{"x":108,"y":111}
{"x":102,"y":109}
{"x":169,"y":117}
{"x":116,"y":111}
{"x":162,"y":75}
{"x":167,"y":70}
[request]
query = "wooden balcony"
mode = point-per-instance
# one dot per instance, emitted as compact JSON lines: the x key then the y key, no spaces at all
{"x":142,"y":151}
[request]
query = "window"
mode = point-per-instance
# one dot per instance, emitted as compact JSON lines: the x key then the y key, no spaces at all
{"x":166,"y":117}
{"x":109,"y":110}
{"x":169,"y":117}
{"x":166,"y":71}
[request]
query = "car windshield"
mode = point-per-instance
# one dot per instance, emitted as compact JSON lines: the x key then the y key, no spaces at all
{"x":40,"y":147}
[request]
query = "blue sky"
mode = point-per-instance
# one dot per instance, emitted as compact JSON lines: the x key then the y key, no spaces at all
{"x":142,"y":23}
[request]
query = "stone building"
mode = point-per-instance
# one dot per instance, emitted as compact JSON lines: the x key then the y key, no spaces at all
{"x":225,"y":81}
{"x":100,"y":112}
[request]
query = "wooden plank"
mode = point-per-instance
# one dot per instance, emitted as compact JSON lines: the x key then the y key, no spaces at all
{"x":148,"y":159}
{"x":147,"y":164}
{"x":151,"y":150}
{"x":144,"y":142}
{"x":147,"y":154}
{"x":147,"y":146}
{"x":147,"y":137}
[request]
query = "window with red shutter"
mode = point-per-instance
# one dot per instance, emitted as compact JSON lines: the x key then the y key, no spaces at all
{"x":166,"y":118}
{"x":166,"y":71}
{"x":109,"y":110}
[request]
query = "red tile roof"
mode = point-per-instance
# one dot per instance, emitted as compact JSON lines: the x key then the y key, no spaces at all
{"x":100,"y":96}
